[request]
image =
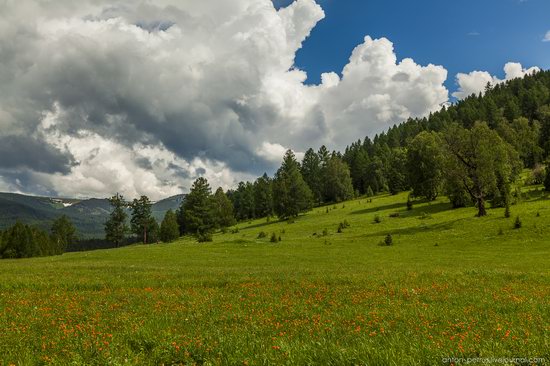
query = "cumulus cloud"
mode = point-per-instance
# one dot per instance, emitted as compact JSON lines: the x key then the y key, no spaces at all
{"x":142,"y":97}
{"x":476,"y":81}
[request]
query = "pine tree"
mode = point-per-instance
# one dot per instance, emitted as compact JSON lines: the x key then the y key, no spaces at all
{"x":197,"y":208}
{"x":223,"y":210}
{"x":311,"y":170}
{"x":142,"y":218}
{"x":338,"y":181}
{"x":263,"y":196}
{"x":63,"y":233}
{"x":169,"y":228}
{"x":291,"y":195}
{"x":115,"y":227}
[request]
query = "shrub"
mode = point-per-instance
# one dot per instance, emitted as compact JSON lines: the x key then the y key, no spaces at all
{"x":395,"y":214}
{"x":340,"y":228}
{"x":377,"y":219}
{"x":517,"y":224}
{"x":274,"y":238}
{"x":409,"y":203}
{"x":325,"y":232}
{"x":235,"y":231}
{"x":388,"y":240}
{"x":262,"y":235}
{"x":205,"y":237}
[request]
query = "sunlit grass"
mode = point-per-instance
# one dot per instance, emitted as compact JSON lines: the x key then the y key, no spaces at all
{"x":451,"y":285}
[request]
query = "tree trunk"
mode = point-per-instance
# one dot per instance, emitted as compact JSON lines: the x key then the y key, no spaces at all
{"x":481,"y":207}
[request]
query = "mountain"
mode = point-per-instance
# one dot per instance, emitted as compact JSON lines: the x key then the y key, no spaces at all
{"x":87,"y":215}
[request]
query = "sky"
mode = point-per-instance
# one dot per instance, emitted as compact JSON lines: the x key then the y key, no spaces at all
{"x":142,"y":97}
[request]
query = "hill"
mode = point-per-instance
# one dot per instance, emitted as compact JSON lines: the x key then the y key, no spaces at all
{"x":87,"y":215}
{"x":451,"y":285}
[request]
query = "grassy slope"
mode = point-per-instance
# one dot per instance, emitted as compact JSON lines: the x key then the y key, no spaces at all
{"x":308,"y":299}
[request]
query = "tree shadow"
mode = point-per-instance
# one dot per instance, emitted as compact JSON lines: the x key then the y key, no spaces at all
{"x":392,"y":206}
{"x":412,"y":230}
{"x":428,"y":209}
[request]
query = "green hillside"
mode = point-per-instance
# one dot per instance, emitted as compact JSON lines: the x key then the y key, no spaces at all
{"x":451,"y":285}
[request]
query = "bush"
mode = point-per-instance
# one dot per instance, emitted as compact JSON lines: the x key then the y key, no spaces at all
{"x":262,"y":235}
{"x":274,"y":238}
{"x":340,"y":228}
{"x":205,"y":237}
{"x":409,"y":203}
{"x":517,"y":224}
{"x":325,"y":232}
{"x":377,"y":219}
{"x":395,"y":214}
{"x":235,"y":231}
{"x":388,"y":240}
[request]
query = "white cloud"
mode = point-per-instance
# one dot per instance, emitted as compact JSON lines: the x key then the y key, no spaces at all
{"x":145,"y":96}
{"x":546,"y":37}
{"x":476,"y":81}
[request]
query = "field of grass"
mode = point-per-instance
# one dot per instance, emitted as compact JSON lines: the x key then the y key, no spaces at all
{"x":452,"y":285}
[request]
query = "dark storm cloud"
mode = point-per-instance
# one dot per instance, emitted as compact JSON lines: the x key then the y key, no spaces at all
{"x":24,"y":152}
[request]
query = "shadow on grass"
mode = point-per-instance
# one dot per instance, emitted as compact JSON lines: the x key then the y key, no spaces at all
{"x":421,"y":228}
{"x":428,"y":209}
{"x":393,"y":206}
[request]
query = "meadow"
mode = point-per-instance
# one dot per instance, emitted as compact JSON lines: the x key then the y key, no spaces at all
{"x":451,"y":285}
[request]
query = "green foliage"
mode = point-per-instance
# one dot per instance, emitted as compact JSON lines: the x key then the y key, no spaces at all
{"x":142,"y":219}
{"x":243,"y":201}
{"x":313,"y":172}
{"x":262,"y":235}
{"x":205,"y":237}
{"x":517,"y":223}
{"x":291,"y":195}
{"x":338,"y":186}
{"x":197,"y":209}
{"x":409,"y":203}
{"x":116,"y":228}
{"x":370,"y":193}
{"x":396,"y":174}
{"x":478,"y":160}
{"x":63,"y":233}
{"x":377,"y":219}
{"x":169,"y":228}
{"x":547,"y":180}
{"x":263,"y":196}
{"x":274,"y":238}
{"x":425,"y":159}
{"x":388,"y":240}
{"x":223,"y":210}
{"x":24,"y":241}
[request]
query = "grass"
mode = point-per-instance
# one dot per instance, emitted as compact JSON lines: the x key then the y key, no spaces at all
{"x":451,"y":285}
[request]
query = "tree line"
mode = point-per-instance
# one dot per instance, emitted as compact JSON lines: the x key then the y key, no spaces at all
{"x":472,"y":152}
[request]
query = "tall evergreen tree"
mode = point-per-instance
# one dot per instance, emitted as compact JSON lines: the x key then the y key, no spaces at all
{"x":197,"y":208}
{"x":223,"y":210}
{"x":291,"y":195}
{"x":142,"y":217}
{"x":115,"y":227}
{"x":338,"y":181}
{"x":311,"y":170}
{"x":169,"y":228}
{"x":263,"y":196}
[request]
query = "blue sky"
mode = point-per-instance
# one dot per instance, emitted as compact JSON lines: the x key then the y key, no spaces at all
{"x":462,"y":36}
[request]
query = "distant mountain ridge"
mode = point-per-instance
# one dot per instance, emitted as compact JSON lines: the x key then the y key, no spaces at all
{"x":88,"y":215}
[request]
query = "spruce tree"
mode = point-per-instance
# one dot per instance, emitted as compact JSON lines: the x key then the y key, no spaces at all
{"x":142,"y":218}
{"x":263,"y":196}
{"x":169,"y":228}
{"x":197,"y":209}
{"x":291,"y":194}
{"x":115,"y":227}
{"x":223,"y":210}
